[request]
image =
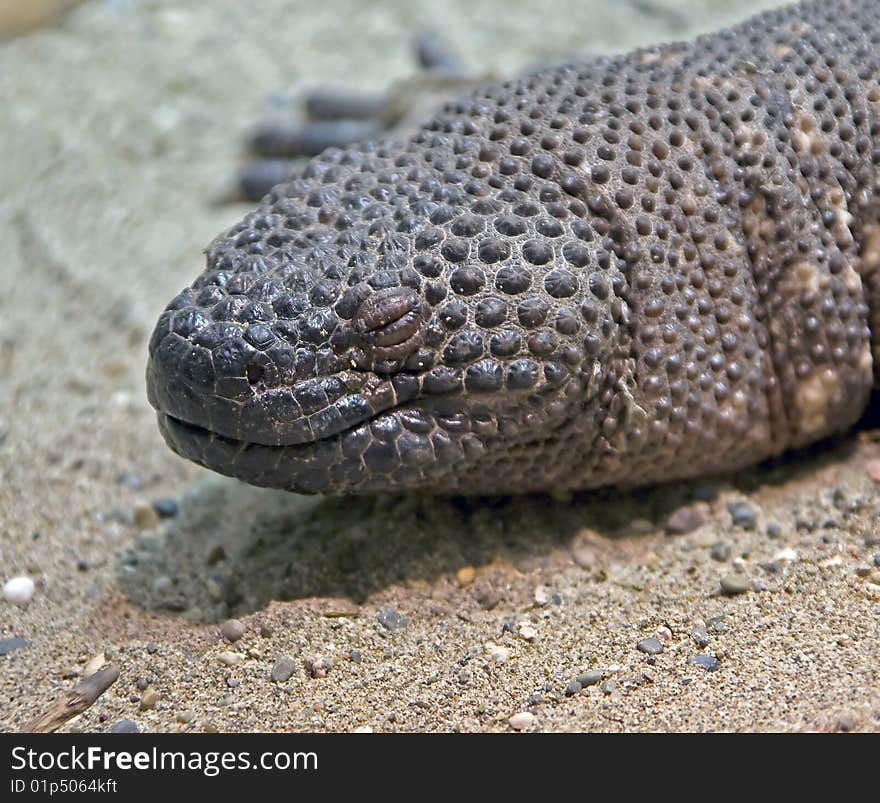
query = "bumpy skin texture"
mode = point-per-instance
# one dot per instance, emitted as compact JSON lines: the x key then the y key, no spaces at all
{"x":622,"y":271}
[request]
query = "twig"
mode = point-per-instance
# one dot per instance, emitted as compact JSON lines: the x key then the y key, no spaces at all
{"x":77,"y":700}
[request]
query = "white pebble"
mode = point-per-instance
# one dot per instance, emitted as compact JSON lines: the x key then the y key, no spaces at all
{"x":527,"y":632}
{"x":497,"y":653}
{"x":230,"y":658}
{"x":522,"y":721}
{"x":18,"y":590}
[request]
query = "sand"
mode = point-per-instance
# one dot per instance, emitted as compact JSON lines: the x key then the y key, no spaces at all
{"x":119,"y":128}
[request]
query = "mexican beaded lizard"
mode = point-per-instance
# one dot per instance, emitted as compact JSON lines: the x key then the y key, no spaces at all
{"x":621,"y":271}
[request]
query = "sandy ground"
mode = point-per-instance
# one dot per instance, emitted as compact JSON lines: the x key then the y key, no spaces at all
{"x":118,"y":128}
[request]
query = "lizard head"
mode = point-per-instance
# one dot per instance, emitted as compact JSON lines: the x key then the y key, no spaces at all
{"x":393,"y":319}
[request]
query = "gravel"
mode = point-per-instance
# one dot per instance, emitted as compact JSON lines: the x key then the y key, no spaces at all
{"x":733,"y":584}
{"x":18,"y":590}
{"x":684,"y":520}
{"x":166,"y":508}
{"x":708,"y":662}
{"x":232,"y":630}
{"x":650,"y":646}
{"x":524,"y":720}
{"x":8,"y":645}
{"x":283,"y":669}
{"x":590,"y":678}
{"x":743,"y":514}
{"x":125,"y":726}
{"x":391,"y":619}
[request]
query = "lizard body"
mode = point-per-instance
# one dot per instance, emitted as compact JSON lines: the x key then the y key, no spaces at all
{"x":621,"y":271}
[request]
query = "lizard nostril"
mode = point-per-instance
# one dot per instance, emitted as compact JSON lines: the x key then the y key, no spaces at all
{"x":254,"y":373}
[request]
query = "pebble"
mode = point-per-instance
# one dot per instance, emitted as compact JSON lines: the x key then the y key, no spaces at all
{"x":465,"y":576}
{"x":872,"y":468}
{"x":590,"y":678}
{"x":283,"y":669}
{"x":684,"y":520}
{"x":720,"y":551}
{"x":185,"y":716}
{"x":743,"y":514}
{"x":708,"y":662}
{"x":542,"y":595}
{"x":391,"y":619}
{"x":145,"y":516}
{"x":650,"y":646}
{"x":18,"y":590}
{"x":497,"y":653}
{"x":166,"y":508}
{"x":8,"y":645}
{"x":94,"y":664}
{"x":152,"y":648}
{"x":527,"y":632}
{"x":230,"y":658}
{"x":149,"y":699}
{"x":142,"y":684}
{"x":524,"y":720}
{"x":774,"y":530}
{"x":317,"y":666}
{"x":572,"y":688}
{"x":732,"y":584}
{"x":355,"y":656}
{"x":232,"y":630}
{"x":125,"y":726}
{"x":787,"y":554}
{"x":699,"y":634}
{"x":609,"y":687}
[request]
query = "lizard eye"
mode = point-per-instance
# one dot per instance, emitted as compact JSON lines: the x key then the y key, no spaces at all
{"x":390,"y":323}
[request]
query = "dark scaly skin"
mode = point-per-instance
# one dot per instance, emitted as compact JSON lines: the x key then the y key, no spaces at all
{"x":624,"y":271}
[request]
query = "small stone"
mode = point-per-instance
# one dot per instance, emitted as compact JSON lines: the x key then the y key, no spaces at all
{"x":142,"y":684}
{"x":391,"y":619}
{"x":609,"y":687}
{"x":786,"y":555}
{"x":846,"y":720}
{"x":8,"y":645}
{"x":145,"y":516}
{"x":708,"y":662}
{"x":527,"y":632}
{"x":732,"y":584}
{"x":317,"y":666}
{"x":18,"y":590}
{"x":232,"y":630}
{"x":152,"y":649}
{"x":684,"y":520}
{"x":465,"y":576}
{"x":230,"y":658}
{"x":524,"y":720}
{"x":774,"y":530}
{"x":720,"y":551}
{"x":699,"y":634}
{"x":572,"y":688}
{"x":185,"y":717}
{"x":149,"y":699}
{"x":166,"y":508}
{"x":355,"y":656}
{"x":94,"y":664}
{"x":283,"y":669}
{"x":542,"y":595}
{"x":872,"y":468}
{"x":125,"y":726}
{"x":590,"y":678}
{"x":650,"y":646}
{"x":497,"y":653}
{"x":743,"y":514}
